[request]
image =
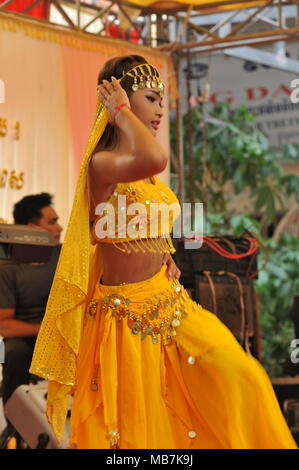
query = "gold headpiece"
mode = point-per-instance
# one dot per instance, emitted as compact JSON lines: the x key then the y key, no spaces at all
{"x":145,"y":77}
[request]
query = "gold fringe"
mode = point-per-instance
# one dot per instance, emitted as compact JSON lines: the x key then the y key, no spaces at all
{"x":152,"y":245}
{"x":165,"y":245}
{"x":157,"y":242}
{"x":172,"y":248}
{"x":128,"y":247}
{"x":115,"y":244}
{"x":139,"y":246}
{"x":144,"y":244}
{"x":120,"y":249}
{"x":133,"y":246}
{"x":147,"y":245}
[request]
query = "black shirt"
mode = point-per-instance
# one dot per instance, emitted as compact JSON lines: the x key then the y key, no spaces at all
{"x":26,"y":287}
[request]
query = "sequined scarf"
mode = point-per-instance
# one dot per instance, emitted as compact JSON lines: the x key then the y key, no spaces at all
{"x":79,"y":264}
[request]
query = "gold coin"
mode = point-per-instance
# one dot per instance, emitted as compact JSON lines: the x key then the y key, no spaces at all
{"x":148,"y":84}
{"x":154,"y":84}
{"x":135,"y":87}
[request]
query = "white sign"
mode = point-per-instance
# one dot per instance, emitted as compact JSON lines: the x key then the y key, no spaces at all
{"x":271,"y":94}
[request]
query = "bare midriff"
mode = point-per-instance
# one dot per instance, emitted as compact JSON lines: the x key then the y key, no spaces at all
{"x":120,"y":267}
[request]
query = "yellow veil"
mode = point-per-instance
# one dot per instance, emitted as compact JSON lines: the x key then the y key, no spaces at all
{"x":58,"y":341}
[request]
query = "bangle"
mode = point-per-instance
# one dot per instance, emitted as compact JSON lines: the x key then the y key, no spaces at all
{"x":121,"y":105}
{"x":118,"y":108}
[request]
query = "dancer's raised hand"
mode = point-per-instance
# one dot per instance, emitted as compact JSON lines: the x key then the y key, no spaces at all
{"x":113,"y":95}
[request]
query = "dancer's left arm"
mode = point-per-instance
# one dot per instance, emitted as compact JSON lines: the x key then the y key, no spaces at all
{"x":172,"y":269}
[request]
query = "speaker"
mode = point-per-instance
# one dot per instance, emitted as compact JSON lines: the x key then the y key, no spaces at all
{"x":232,"y":300}
{"x":227,"y":301}
{"x":224,"y":286}
{"x":26,"y":411}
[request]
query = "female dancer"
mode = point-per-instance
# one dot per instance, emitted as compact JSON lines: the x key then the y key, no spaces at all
{"x":147,"y":366}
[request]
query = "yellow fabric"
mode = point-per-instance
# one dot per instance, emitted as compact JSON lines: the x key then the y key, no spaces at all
{"x":79,"y":264}
{"x":217,"y":5}
{"x":137,"y":209}
{"x":157,"y":370}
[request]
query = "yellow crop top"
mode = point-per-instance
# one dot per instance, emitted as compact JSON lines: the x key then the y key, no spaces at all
{"x":138,"y":216}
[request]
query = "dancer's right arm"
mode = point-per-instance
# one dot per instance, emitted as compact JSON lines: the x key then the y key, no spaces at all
{"x":146,"y":158}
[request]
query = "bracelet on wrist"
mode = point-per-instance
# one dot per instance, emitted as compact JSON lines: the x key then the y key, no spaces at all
{"x":118,"y":108}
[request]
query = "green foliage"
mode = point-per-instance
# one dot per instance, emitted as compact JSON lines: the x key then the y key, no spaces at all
{"x":277,"y":286}
{"x":239,"y":153}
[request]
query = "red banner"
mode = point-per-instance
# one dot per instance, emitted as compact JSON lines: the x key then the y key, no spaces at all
{"x":114,"y":31}
{"x":38,"y":11}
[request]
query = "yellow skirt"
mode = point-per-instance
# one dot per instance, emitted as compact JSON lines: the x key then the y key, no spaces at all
{"x":156,"y":370}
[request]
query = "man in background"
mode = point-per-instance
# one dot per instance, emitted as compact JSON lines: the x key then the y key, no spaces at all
{"x":24,"y":291}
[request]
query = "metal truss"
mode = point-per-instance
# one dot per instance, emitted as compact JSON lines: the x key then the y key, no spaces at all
{"x":270,"y":21}
{"x":202,"y":28}
{"x":101,"y":15}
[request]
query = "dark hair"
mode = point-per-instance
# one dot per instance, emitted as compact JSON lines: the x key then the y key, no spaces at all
{"x":116,"y":67}
{"x":28,"y":209}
